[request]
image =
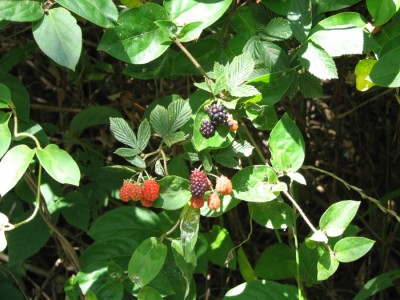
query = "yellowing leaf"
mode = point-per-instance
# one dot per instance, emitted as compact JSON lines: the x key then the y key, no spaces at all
{"x":362,"y":70}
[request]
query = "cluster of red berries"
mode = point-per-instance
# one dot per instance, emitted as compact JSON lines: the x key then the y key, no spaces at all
{"x":199,"y":184}
{"x":146,"y":193}
{"x":217,"y":114}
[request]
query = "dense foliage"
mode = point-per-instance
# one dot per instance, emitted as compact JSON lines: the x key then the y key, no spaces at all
{"x":199,"y":149}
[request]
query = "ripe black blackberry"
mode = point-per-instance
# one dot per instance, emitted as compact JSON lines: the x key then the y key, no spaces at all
{"x":207,"y":129}
{"x":217,"y":114}
{"x":198,"y":183}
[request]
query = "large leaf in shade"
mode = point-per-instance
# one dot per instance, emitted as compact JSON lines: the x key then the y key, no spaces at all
{"x":19,"y":95}
{"x":300,"y":19}
{"x":21,"y":10}
{"x":187,"y":11}
{"x":346,"y":29}
{"x":386,"y":71}
{"x":13,"y":166}
{"x":276,"y":262}
{"x":273,"y":214}
{"x":262,"y":289}
{"x":59,"y":37}
{"x":377,"y":284}
{"x":137,"y":39}
{"x":59,"y":164}
{"x":92,"y":116}
{"x":190,"y":219}
{"x":147,"y":261}
{"x":35,"y":234}
{"x":287,"y":146}
{"x":382,"y":11}
{"x":317,"y":61}
{"x":101,"y":12}
{"x":126,"y":221}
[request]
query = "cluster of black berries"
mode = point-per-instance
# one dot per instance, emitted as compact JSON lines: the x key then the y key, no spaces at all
{"x":218,"y":115}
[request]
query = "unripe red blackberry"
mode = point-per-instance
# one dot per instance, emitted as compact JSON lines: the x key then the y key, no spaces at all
{"x":217,"y":114}
{"x":198,"y":183}
{"x":197,"y":202}
{"x":207,"y":129}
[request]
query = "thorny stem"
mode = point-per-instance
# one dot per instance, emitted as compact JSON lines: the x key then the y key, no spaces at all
{"x":303,"y":215}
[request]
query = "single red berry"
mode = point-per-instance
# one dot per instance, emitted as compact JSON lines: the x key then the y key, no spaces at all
{"x":137,"y":192}
{"x":214,"y":202}
{"x":198,"y":183}
{"x":233,"y":125}
{"x":146,"y":203}
{"x":223,"y":185}
{"x":151,"y":190}
{"x":125,"y":192}
{"x":197,"y":202}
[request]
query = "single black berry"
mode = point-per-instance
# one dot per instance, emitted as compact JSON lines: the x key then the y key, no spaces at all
{"x":207,"y":129}
{"x":198,"y":183}
{"x":217,"y":114}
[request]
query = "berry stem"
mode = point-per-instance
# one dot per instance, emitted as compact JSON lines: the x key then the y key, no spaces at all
{"x":171,"y":230}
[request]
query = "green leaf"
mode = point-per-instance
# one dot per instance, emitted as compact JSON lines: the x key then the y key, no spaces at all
{"x":352,"y":248}
{"x":272,"y":87}
{"x":332,"y":5}
{"x":92,"y":116}
{"x":326,"y":266}
{"x":19,"y":95}
{"x":254,"y":184}
{"x":59,"y":164}
{"x":220,"y":247}
{"x":75,"y":209}
{"x":101,"y":12}
{"x":126,"y":221}
{"x":300,"y":19}
{"x":159,"y":120}
{"x":287,"y":146}
{"x":310,"y":86}
{"x":223,"y":136}
{"x":262,"y":289}
{"x":13,"y":165}
{"x":21,"y":10}
{"x":239,"y":70}
{"x":262,"y":117}
{"x":149,"y":293}
{"x":5,"y":95}
{"x":243,"y":90}
{"x":179,"y":112}
{"x":334,"y":222}
{"x":127,"y":152}
{"x":244,"y":23}
{"x":147,"y":261}
{"x":190,"y":32}
{"x":190,"y":219}
{"x":174,"y":138}
{"x":59,"y":37}
{"x":277,"y":29}
{"x":386,"y":71}
{"x":269,"y":267}
{"x":346,"y":29}
{"x":186,"y":264}
{"x":317,"y":61}
{"x":174,"y":193}
{"x":382,"y":11}
{"x":137,"y":39}
{"x":377,"y":284}
{"x":123,"y":132}
{"x":13,"y":57}
{"x":5,"y":134}
{"x":187,"y":11}
{"x":144,"y":133}
{"x":35,"y":234}
{"x":245,"y":267}
{"x":272,"y":215}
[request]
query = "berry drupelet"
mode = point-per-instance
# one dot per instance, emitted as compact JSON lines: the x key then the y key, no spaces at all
{"x":207,"y":129}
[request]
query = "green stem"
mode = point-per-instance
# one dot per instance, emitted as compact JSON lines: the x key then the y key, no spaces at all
{"x":37,"y":201}
{"x":296,"y":245}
